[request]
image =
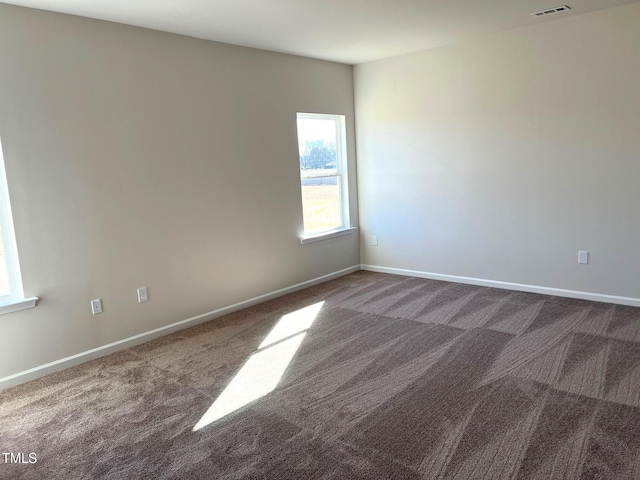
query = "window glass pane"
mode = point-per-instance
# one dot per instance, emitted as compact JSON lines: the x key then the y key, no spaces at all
{"x":321,"y":204}
{"x":317,"y":146}
{"x":10,"y":282}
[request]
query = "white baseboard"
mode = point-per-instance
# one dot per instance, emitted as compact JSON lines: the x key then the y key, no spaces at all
{"x":82,"y":357}
{"x":558,"y":292}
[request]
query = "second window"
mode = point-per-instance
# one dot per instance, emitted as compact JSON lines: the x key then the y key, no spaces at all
{"x":323,"y":172}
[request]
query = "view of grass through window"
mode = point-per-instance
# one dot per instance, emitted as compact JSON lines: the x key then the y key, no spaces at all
{"x":321,"y":206}
{"x":319,"y":173}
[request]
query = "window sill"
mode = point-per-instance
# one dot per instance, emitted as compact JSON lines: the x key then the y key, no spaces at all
{"x":14,"y":305}
{"x":327,"y":235}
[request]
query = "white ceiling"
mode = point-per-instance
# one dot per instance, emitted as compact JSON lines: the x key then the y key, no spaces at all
{"x":347,"y":31}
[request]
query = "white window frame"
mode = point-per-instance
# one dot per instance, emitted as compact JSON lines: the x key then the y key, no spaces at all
{"x":15,"y":300}
{"x":341,"y":173}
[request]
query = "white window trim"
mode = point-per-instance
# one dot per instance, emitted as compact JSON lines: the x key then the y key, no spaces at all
{"x":327,"y":235}
{"x":16,"y":300}
{"x":343,"y":179}
{"x":14,"y":305}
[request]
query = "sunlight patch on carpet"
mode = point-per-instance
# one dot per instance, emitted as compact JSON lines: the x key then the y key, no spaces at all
{"x":264,"y":369}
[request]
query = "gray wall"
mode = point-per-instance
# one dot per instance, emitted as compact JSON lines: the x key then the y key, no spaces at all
{"x":501,"y":158}
{"x":139,"y":158}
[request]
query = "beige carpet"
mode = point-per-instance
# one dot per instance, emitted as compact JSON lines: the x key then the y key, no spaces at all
{"x":369,"y":376}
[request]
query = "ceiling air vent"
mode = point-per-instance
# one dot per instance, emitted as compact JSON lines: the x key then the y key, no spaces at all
{"x":549,"y":11}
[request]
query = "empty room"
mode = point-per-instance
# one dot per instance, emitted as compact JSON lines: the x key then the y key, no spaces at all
{"x":279,"y":239}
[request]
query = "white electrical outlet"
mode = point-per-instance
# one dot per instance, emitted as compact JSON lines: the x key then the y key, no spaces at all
{"x":96,"y":306}
{"x":374,"y":240}
{"x":143,"y":295}
{"x":583,"y":256}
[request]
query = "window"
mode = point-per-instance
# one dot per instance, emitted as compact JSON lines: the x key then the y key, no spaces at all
{"x":323,"y":175}
{"x":11,"y":292}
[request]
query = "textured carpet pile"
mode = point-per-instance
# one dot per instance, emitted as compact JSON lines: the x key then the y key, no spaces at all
{"x":395,"y":378}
